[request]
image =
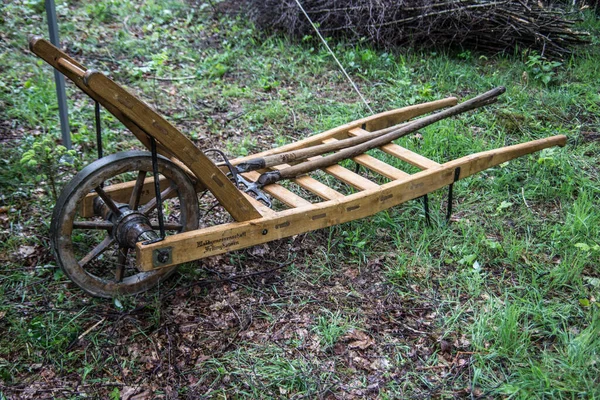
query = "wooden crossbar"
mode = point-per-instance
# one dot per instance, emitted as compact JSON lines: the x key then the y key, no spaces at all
{"x":377,"y":165}
{"x":349,"y":177}
{"x":402,"y":153}
{"x":314,"y":186}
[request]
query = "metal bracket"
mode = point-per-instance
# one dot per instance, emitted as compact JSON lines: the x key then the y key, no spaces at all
{"x":98,"y":130}
{"x":162,"y":257}
{"x":254,"y":188}
{"x":425,"y":198}
{"x":159,"y":204}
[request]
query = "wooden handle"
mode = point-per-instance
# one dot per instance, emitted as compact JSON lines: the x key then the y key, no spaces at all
{"x":377,"y":141}
{"x":72,"y":68}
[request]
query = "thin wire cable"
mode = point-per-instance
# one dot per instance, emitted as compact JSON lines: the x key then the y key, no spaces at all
{"x":334,"y":57}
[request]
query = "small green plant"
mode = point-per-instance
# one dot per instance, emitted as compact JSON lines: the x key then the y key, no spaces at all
{"x":242,"y":148}
{"x":540,"y":69}
{"x":45,"y":160}
{"x":331,"y":327}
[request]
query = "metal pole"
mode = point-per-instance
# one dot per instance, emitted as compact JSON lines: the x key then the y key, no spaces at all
{"x":58,"y":77}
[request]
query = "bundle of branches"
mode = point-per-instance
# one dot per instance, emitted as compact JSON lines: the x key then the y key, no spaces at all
{"x":486,"y":25}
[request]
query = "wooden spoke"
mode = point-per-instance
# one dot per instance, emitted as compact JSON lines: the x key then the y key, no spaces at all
{"x":136,"y":193}
{"x":121,"y":260}
{"x":108,"y":201}
{"x":151,"y":205}
{"x":96,"y":251}
{"x":92,"y":225}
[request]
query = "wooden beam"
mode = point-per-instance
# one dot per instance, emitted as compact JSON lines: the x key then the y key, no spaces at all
{"x":174,"y":141}
{"x":377,"y":165}
{"x":142,"y":120}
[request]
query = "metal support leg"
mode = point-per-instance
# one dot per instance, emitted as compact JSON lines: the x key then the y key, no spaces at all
{"x":159,"y":206}
{"x":450,"y":187}
{"x":98,"y":130}
{"x":59,"y":79}
{"x":426,"y":209}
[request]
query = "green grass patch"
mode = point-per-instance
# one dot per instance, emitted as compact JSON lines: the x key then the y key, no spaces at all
{"x":501,"y":302}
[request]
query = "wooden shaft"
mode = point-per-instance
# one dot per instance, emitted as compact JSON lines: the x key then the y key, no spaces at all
{"x":401,"y":129}
{"x":321,"y":149}
{"x":354,"y":151}
{"x":371,"y":123}
{"x":317,"y":150}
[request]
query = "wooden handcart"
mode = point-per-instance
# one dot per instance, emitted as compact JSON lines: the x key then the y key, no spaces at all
{"x":127,"y":220}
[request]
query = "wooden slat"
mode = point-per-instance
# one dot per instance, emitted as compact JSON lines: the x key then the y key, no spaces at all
{"x":318,"y":188}
{"x":314,"y":186}
{"x":279,"y":192}
{"x":409,"y":156}
{"x":349,"y":177}
{"x":402,"y":153}
{"x":377,"y":165}
{"x":380,"y":167}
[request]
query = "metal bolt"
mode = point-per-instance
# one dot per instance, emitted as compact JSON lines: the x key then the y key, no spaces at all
{"x":265,"y":231}
{"x":162,"y":256}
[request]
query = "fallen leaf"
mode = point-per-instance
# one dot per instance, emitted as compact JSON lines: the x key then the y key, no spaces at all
{"x":445,"y":346}
{"x":360,"y":340}
{"x":351,"y":273}
{"x":26,"y":251}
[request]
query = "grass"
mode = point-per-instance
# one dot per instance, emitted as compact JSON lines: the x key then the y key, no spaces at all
{"x":502,"y":302}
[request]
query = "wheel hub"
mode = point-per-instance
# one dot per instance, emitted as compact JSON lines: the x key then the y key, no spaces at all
{"x":132,"y":227}
{"x":128,"y":228}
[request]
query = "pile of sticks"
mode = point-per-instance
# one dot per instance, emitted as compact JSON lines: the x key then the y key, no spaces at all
{"x":492,"y":26}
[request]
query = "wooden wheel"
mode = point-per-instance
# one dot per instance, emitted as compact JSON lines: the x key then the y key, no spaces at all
{"x":93,"y":232}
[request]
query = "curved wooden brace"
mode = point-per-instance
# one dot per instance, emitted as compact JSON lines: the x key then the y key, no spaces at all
{"x":138,"y":117}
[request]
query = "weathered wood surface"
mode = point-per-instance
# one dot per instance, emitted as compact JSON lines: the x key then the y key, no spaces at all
{"x":223,"y":238}
{"x":137,"y":115}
